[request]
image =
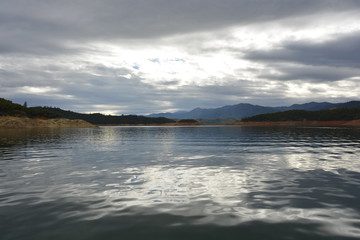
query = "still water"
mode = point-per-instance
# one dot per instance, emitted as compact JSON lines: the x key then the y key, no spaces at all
{"x":180,"y":183}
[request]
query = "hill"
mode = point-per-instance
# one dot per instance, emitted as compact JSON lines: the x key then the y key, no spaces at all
{"x":101,"y":119}
{"x":244,"y":110}
{"x":340,"y":114}
{"x":233,"y":111}
{"x":8,"y":108}
{"x":14,"y":115}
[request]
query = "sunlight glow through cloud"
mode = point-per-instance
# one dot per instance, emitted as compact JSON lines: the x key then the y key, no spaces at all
{"x":37,"y":90}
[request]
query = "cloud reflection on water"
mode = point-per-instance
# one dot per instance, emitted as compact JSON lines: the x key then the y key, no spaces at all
{"x":225,"y":177}
{"x":223,"y":196}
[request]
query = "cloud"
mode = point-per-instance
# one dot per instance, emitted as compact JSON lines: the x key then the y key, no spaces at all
{"x":293,"y":72}
{"x":145,"y":56}
{"x":334,"y":59}
{"x":341,"y":51}
{"x":126,"y":19}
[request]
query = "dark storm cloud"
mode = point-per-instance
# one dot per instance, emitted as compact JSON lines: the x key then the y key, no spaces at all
{"x":342,"y":51}
{"x":90,"y":19}
{"x":26,"y":34}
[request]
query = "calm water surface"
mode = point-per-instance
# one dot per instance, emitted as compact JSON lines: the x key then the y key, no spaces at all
{"x":180,"y":183}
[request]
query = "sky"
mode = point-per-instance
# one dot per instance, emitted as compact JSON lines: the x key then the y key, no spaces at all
{"x":151,"y":56}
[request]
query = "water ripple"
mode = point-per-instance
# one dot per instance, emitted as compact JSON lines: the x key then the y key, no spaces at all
{"x":304,"y":183}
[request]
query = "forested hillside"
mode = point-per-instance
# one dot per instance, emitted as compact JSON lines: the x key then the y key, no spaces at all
{"x":8,"y":108}
{"x":301,"y":115}
{"x":98,"y":118}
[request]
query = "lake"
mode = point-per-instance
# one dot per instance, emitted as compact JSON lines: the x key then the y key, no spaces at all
{"x":180,"y":183}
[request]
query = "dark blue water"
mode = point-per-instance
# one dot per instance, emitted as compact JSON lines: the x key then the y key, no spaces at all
{"x":180,"y":183}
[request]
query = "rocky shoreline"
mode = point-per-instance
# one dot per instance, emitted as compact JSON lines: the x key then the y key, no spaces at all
{"x":8,"y":122}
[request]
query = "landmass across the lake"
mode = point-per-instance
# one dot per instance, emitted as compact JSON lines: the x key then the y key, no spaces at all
{"x":330,"y":117}
{"x":305,"y":123}
{"x":231,"y":113}
{"x":14,"y":115}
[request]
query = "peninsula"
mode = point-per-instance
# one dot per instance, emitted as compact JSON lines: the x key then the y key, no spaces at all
{"x":332,"y":117}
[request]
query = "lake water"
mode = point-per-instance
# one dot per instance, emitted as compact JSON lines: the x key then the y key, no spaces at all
{"x":180,"y":183}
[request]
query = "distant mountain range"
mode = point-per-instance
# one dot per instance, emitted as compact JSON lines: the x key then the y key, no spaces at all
{"x":244,"y":110}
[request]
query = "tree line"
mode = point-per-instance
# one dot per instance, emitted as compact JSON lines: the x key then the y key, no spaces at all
{"x":8,"y":108}
{"x":301,"y":115}
{"x":98,"y":118}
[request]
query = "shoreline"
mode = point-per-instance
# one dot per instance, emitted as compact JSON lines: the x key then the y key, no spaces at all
{"x":342,"y":123}
{"x":339,"y":123}
{"x":155,"y":125}
{"x":9,"y":122}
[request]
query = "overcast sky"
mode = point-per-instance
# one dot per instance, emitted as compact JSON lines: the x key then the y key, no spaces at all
{"x":149,"y":56}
